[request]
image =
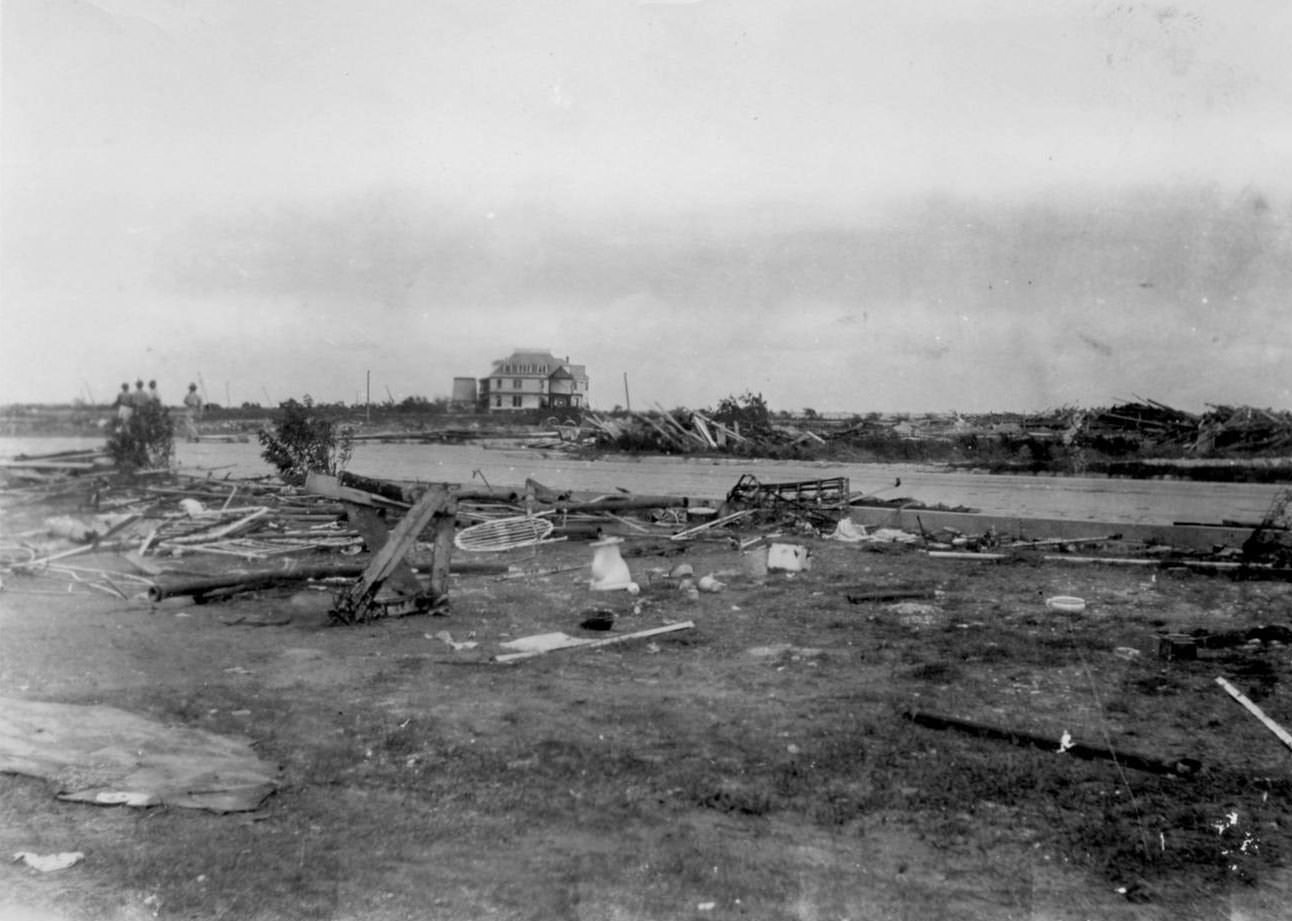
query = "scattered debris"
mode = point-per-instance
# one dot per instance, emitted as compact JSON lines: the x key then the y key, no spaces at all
{"x":388,"y":586}
{"x":447,"y":639}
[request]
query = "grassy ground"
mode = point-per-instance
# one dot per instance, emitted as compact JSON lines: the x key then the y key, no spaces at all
{"x":756,"y":766}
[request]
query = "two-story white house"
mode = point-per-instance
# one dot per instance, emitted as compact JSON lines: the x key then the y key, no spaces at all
{"x":534,"y":379}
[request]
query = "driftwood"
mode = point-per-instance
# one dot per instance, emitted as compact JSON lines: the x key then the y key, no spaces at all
{"x":1154,"y":765}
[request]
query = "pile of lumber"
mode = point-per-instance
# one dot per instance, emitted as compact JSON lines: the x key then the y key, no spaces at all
{"x":688,"y":431}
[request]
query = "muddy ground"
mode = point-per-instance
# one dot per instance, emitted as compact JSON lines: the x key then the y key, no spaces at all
{"x":757,"y":766}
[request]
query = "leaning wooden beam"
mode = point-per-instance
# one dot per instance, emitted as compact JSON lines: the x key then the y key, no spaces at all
{"x":1256,"y":711}
{"x":510,"y":657}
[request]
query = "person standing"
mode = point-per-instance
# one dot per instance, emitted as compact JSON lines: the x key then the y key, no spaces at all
{"x":124,"y":404}
{"x":153,"y":394}
{"x":192,"y":409}
{"x":139,"y":398}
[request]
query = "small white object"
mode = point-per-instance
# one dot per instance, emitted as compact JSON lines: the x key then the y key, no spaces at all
{"x":848,"y":531}
{"x":609,"y":571}
{"x":1069,"y":604}
{"x":47,"y":863}
{"x":709,"y":584}
{"x":126,"y":798}
{"x":788,"y":557}
{"x":192,"y":508}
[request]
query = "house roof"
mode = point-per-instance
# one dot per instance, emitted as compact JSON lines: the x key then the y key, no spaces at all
{"x":539,"y":357}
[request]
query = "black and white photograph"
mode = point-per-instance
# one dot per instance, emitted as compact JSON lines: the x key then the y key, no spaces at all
{"x":640,"y":460}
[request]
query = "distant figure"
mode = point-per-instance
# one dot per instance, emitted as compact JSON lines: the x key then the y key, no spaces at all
{"x":192,"y":409}
{"x":124,"y":404}
{"x":898,"y":483}
{"x":153,"y":393}
{"x":140,"y":396}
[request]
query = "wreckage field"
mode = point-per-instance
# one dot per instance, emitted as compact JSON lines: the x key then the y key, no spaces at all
{"x":238,"y":699}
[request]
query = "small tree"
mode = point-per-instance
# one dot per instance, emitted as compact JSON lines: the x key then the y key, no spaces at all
{"x":146,"y":439}
{"x":749,"y":410}
{"x":305,"y":442}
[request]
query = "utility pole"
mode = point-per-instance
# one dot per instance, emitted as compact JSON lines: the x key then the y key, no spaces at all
{"x":628,"y":403}
{"x":367,"y":400}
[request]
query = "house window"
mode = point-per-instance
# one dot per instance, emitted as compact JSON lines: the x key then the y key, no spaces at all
{"x":497,"y":402}
{"x":515,"y":384}
{"x":516,"y":401}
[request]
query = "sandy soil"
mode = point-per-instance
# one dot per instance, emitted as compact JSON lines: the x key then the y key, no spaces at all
{"x":756,"y":766}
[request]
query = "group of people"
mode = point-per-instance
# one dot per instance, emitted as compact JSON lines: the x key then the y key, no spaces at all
{"x":130,"y":402}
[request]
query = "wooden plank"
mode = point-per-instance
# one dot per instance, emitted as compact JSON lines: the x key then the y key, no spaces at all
{"x":592,"y":644}
{"x":402,"y":536}
{"x":691,"y":532}
{"x":1256,"y":711}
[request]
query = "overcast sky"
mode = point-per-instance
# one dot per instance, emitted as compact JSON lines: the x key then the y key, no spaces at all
{"x":850,"y":206}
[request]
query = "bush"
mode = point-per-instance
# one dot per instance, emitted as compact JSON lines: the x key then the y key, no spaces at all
{"x":146,"y":439}
{"x":749,"y":411}
{"x":305,"y":442}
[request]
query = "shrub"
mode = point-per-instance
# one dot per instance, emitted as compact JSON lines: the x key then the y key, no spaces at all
{"x":304,"y":442}
{"x":748,"y":410}
{"x":146,"y":439}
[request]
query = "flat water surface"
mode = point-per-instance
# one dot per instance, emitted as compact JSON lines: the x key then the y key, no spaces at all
{"x":1078,"y":498}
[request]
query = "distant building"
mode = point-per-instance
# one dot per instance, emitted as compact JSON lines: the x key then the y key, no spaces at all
{"x":533,"y":379}
{"x":465,"y":393}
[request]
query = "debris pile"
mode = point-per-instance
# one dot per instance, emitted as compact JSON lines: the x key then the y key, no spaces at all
{"x":688,"y":431}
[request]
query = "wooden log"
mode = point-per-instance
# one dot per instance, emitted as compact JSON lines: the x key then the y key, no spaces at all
{"x":164,"y":586}
{"x":1141,"y":762}
{"x":320,"y":484}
